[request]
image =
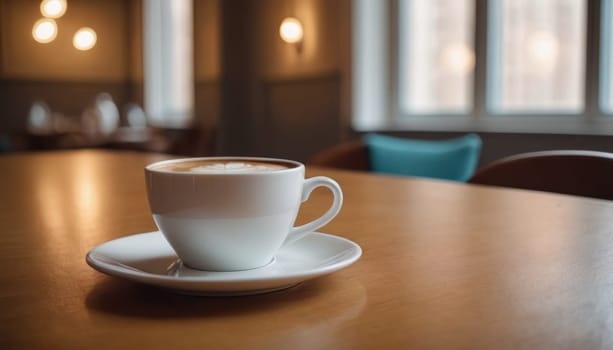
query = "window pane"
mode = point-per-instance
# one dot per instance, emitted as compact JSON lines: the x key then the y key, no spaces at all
{"x":168,"y":62}
{"x":436,"y":56}
{"x":606,"y":98}
{"x":537,"y":56}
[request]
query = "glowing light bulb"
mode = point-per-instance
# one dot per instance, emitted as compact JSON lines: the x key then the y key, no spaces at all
{"x":84,"y":39}
{"x":53,"y":8}
{"x":44,"y":30}
{"x":291,"y":30}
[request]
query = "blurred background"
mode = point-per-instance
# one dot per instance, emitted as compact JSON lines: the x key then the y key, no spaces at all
{"x":288,"y":78}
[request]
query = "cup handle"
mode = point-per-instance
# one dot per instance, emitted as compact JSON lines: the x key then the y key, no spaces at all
{"x":309,"y":185}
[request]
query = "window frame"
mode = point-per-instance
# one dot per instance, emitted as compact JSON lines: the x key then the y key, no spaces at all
{"x":606,"y":37}
{"x":385,"y":115}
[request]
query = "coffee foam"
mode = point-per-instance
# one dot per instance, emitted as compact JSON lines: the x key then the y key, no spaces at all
{"x":236,"y":167}
{"x":224,"y":166}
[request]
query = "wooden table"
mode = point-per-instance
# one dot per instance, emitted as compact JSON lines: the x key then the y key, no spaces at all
{"x":445,"y":265}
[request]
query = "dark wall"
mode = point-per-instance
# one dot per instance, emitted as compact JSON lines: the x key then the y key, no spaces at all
{"x":301,"y":116}
{"x":279,"y":100}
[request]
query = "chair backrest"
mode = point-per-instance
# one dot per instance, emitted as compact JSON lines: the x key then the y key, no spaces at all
{"x":452,"y":159}
{"x":581,"y":173}
{"x":351,"y":155}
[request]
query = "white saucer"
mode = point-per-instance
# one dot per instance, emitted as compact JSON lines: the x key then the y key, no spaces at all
{"x":148,"y":258}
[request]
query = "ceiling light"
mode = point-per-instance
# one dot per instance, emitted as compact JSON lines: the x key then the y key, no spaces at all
{"x":44,"y":30}
{"x":84,"y":39}
{"x":53,"y":8}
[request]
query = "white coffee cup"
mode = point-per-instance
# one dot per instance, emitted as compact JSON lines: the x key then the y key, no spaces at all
{"x":232,"y":213}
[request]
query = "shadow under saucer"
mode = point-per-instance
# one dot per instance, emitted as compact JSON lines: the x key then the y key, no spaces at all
{"x":126,"y":298}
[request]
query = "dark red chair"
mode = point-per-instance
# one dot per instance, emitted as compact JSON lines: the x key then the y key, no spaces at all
{"x":574,"y":172}
{"x":351,"y":155}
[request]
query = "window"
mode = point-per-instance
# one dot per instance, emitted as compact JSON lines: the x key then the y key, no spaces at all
{"x":436,"y":56}
{"x":537,"y":56}
{"x":168,"y":62}
{"x":483,"y":65}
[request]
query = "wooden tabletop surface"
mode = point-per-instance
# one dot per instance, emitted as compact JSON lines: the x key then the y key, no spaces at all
{"x":444,"y":265}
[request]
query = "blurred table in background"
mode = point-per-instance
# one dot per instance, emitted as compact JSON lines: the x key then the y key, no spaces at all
{"x":187,"y":142}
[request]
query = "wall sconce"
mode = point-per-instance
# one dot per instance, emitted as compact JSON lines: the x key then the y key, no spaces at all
{"x":84,"y":39}
{"x":291,"y":31}
{"x":53,"y":8}
{"x":44,"y":30}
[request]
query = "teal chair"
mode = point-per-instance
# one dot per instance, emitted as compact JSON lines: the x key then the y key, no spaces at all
{"x":453,"y":159}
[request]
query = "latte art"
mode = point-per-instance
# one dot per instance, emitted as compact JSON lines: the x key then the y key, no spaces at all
{"x":236,"y":167}
{"x":224,"y":166}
